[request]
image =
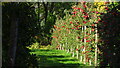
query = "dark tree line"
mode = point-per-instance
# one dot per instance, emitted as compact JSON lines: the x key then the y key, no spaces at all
{"x":110,"y":34}
{"x":21,"y":23}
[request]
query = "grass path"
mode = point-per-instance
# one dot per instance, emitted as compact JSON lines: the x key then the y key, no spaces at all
{"x":55,"y":58}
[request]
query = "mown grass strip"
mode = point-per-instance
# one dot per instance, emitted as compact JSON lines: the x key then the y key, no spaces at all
{"x":54,"y":58}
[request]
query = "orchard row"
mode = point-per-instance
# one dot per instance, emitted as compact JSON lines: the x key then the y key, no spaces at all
{"x":78,"y":34}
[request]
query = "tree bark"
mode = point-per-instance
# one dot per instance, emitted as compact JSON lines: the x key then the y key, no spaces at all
{"x":84,"y":44}
{"x":46,"y":10}
{"x":38,"y":12}
{"x":51,"y":8}
{"x":96,"y":46}
{"x":77,"y":53}
{"x":13,"y":40}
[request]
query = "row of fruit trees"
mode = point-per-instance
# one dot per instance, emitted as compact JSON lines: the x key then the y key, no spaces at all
{"x":77,"y":33}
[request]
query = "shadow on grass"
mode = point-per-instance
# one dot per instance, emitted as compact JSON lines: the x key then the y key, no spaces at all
{"x":51,"y":56}
{"x":34,"y":50}
{"x":46,"y":60}
{"x":68,"y":60}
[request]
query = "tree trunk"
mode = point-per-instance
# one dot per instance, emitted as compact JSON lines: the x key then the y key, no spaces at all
{"x":96,"y":46}
{"x":84,"y":44}
{"x":38,"y":12}
{"x":81,"y":58}
{"x":13,"y":38}
{"x":67,"y":50}
{"x":90,"y":62}
{"x":46,"y":10}
{"x":73,"y":55}
{"x":51,"y":8}
{"x":13,"y":41}
{"x":77,"y":53}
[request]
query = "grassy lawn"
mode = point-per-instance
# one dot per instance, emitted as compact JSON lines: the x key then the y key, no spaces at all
{"x":55,"y":58}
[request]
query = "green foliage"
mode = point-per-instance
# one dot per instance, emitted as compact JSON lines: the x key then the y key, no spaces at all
{"x":34,"y":46}
{"x":26,"y":31}
{"x":77,"y":30}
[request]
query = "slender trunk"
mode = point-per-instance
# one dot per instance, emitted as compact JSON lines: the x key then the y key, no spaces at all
{"x":90,"y":59}
{"x":96,"y":46}
{"x":90,"y":62}
{"x":84,"y":44}
{"x":46,"y":10}
{"x":51,"y":8}
{"x":77,"y":53}
{"x":72,"y":51}
{"x":63,"y":47}
{"x":38,"y":12}
{"x":67,"y":50}
{"x":73,"y":54}
{"x":60,"y":47}
{"x":81,"y":58}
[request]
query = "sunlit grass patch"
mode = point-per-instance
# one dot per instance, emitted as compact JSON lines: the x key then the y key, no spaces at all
{"x":48,"y":58}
